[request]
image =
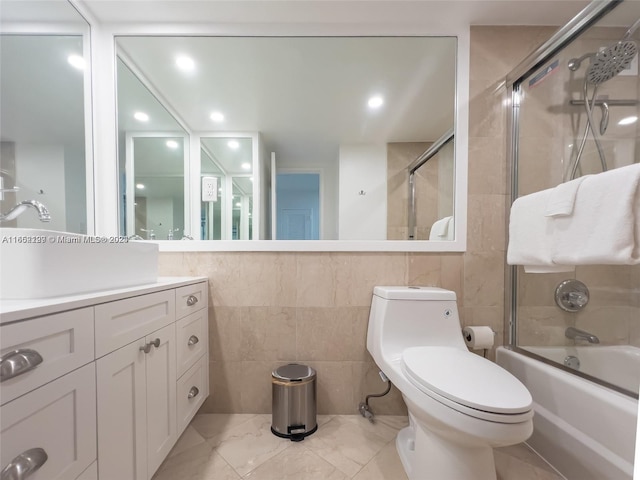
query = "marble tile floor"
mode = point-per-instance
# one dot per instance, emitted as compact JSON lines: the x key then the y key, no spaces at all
{"x":241,"y":446}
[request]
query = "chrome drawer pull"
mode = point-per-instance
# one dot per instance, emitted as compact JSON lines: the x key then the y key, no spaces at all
{"x":17,"y":362}
{"x":147,"y":347}
{"x":193,"y":340}
{"x":24,"y":464}
{"x":192,"y":393}
{"x":191,"y":300}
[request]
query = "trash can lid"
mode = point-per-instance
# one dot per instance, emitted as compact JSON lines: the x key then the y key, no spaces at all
{"x":294,"y":372}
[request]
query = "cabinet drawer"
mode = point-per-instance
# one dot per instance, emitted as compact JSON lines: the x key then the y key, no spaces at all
{"x":59,"y":418}
{"x":124,"y":321}
{"x":190,"y":299}
{"x":63,"y":341}
{"x":192,"y":390}
{"x":191,"y":333}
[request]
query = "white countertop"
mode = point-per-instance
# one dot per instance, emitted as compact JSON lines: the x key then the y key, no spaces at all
{"x":13,"y":310}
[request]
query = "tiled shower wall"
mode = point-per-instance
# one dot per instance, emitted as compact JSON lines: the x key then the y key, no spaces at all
{"x":268,"y":309}
{"x":548,"y":132}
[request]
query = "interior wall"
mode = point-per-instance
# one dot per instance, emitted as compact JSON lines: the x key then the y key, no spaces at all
{"x":268,"y":309}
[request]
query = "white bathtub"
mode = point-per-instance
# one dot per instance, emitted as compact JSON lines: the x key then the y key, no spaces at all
{"x":586,"y":431}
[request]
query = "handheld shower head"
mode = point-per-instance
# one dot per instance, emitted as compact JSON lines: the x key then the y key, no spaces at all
{"x":609,"y":62}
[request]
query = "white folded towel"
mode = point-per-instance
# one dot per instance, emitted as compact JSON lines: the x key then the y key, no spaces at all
{"x":442,"y":229}
{"x":531,"y":235}
{"x":563,"y":198}
{"x":602,"y":228}
{"x":605,"y":225}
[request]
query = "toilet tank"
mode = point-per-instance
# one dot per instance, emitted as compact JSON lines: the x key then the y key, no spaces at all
{"x":403,"y":317}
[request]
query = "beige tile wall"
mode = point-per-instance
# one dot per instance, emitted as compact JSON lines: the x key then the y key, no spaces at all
{"x":267,"y":309}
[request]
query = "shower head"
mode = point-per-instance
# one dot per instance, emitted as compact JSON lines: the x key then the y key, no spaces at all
{"x":609,"y":62}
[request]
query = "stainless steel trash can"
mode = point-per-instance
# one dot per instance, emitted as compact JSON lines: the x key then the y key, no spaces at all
{"x":293,"y":404}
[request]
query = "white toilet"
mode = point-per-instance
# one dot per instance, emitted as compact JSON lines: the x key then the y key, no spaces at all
{"x":460,"y":404}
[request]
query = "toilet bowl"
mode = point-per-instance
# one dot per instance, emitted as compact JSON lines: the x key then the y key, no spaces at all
{"x":460,"y":405}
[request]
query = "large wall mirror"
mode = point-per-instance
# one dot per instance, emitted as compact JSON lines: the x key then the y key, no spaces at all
{"x":45,"y":134}
{"x":302,"y":138}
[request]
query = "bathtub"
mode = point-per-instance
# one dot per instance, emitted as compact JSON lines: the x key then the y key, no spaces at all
{"x":584,"y":430}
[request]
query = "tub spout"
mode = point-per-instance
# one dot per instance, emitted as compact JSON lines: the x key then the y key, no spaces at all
{"x":577,"y":334}
{"x":16,"y":211}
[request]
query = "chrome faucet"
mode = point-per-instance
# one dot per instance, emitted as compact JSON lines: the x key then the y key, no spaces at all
{"x":577,"y":334}
{"x":16,"y":211}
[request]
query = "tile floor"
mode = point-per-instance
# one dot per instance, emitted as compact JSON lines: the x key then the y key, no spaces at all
{"x":241,"y":446}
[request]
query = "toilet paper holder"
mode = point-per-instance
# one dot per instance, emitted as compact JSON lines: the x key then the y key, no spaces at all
{"x":479,"y":337}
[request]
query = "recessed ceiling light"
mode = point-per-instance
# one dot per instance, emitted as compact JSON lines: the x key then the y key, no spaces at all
{"x":246,"y":166}
{"x":140,"y":186}
{"x":628,"y":120}
{"x":217,"y":117}
{"x":172,"y":144}
{"x":141,"y":116}
{"x":233,"y":144}
{"x":185,"y":63}
{"x":375,"y":102}
{"x":76,"y":61}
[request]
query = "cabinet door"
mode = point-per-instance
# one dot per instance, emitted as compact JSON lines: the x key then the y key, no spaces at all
{"x":122,"y":423}
{"x":161,"y":396}
{"x":58,"y":419}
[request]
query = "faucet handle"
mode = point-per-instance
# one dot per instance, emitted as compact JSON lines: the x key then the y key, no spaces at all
{"x":572,"y":295}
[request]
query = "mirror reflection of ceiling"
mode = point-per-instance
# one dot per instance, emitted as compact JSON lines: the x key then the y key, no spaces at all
{"x":232,"y":154}
{"x":306,"y":95}
{"x":134,"y":97}
{"x":31,"y":67}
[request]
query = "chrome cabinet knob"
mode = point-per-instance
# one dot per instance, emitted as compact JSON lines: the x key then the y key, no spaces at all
{"x":17,"y":362}
{"x":191,"y":300}
{"x":146,"y":348}
{"x":193,"y":391}
{"x":24,"y":465}
{"x":193,"y":340}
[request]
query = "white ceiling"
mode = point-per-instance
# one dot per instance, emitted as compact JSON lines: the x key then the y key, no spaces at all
{"x":440,"y":13}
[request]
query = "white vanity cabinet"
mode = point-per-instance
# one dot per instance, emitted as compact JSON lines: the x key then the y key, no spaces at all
{"x":114,"y":380}
{"x":48,"y":396}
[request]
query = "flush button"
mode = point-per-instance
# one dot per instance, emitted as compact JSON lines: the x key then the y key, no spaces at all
{"x":447,"y":313}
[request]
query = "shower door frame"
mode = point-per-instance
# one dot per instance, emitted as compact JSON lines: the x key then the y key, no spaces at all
{"x":591,"y":14}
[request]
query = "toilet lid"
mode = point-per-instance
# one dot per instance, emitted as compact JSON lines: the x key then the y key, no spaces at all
{"x":467,"y":379}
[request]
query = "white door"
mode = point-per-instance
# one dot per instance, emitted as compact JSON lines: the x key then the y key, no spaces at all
{"x":161,"y":396}
{"x":122,"y":423}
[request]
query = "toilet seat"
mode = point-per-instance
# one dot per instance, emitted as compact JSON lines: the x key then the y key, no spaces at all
{"x":468,"y":383}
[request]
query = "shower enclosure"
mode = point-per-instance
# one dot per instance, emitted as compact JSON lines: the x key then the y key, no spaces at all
{"x":574,"y":112}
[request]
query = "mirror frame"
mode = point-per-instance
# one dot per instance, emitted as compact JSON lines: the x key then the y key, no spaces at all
{"x":103,"y":68}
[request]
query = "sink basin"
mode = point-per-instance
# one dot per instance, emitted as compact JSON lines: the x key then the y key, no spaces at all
{"x":38,"y":263}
